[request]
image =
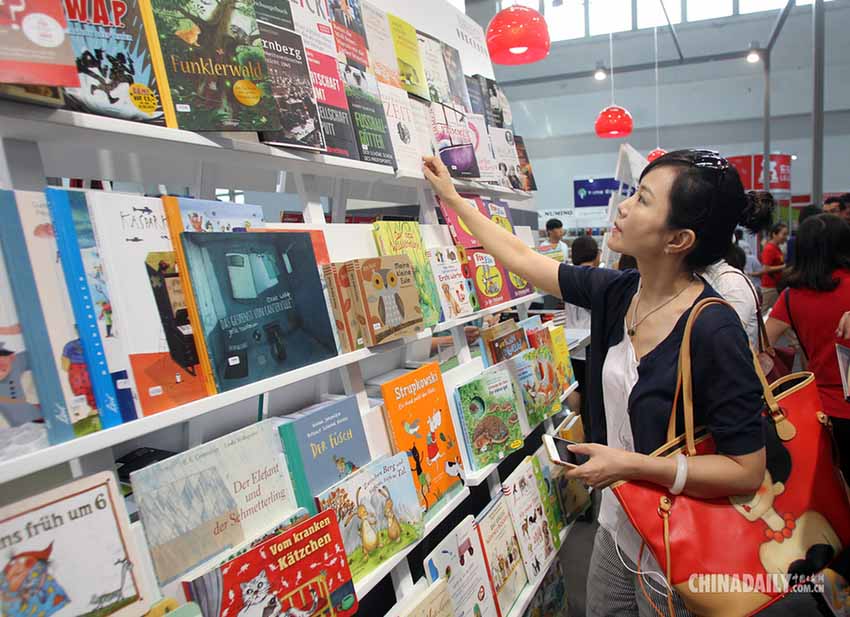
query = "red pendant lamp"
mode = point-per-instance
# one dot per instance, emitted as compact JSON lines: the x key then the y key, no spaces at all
{"x":518,"y":35}
{"x":659,"y":151}
{"x":613,"y":122}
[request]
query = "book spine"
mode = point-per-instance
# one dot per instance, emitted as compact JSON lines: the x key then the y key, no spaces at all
{"x":462,"y":429}
{"x":331,"y":273}
{"x":54,"y":408}
{"x":303,"y":496}
{"x":359,"y":303}
{"x":159,"y":70}
{"x":483,"y":544}
{"x":348,"y":298}
{"x":81,"y":301}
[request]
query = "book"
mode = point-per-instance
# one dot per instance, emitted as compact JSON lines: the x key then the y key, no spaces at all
{"x":550,"y":599}
{"x":497,"y":109}
{"x":459,"y":560}
{"x":409,"y":57}
{"x":292,"y":90}
{"x":65,"y":392}
{"x":458,"y":94}
{"x":54,"y":537}
{"x":526,"y":175}
{"x":561,"y":355}
{"x":433,"y":601}
{"x":529,"y":518}
{"x":312,"y":21}
{"x":502,"y":553}
{"x":544,"y":473}
{"x":508,"y":345}
{"x":489,"y":277}
{"x":419,"y":424}
{"x":451,"y":284}
{"x":487,"y":409}
{"x":458,"y":229}
{"x":476,"y":96}
{"x":385,"y":298}
{"x":261,"y":307}
{"x":454,"y":141}
{"x":488,"y":167}
{"x":370,"y":124}
{"x":278,"y":14}
{"x":379,"y":39}
{"x":147,"y":298}
{"x":323,"y":444}
{"x":504,"y":149}
{"x":498,"y":211}
{"x":534,"y":372}
{"x":114,"y":62}
{"x":402,"y":128}
{"x":51,"y":96}
{"x":207,"y":215}
{"x":487,"y":335}
{"x":431,"y":52}
{"x":341,"y":308}
{"x":404,"y":238}
{"x":210,"y":67}
{"x":34,"y":46}
{"x":213,"y":497}
{"x":349,"y":32}
{"x":378,"y":512}
{"x":843,"y":354}
{"x":300,"y":571}
{"x":334,"y":112}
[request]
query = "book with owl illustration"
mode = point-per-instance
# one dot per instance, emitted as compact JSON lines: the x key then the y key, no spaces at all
{"x":526,"y":175}
{"x":535,"y":375}
{"x":544,"y":472}
{"x":458,"y":229}
{"x":433,"y":601}
{"x":300,"y":572}
{"x":419,"y":424}
{"x":451,"y":284}
{"x":379,"y":39}
{"x":404,"y":238}
{"x":378,"y":511}
{"x":561,"y":354}
{"x":323,"y":444}
{"x":409,"y":57}
{"x":489,"y":277}
{"x":501,"y":553}
{"x":402,"y":129}
{"x":69,"y":551}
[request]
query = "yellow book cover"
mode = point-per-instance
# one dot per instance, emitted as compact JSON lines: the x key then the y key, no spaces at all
{"x":407,"y":53}
{"x":561,"y":352}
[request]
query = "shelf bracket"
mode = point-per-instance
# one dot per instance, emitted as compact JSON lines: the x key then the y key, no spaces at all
{"x":307,"y":186}
{"x":427,"y":206}
{"x":339,"y":200}
{"x":402,"y":579}
{"x":21,"y":167}
{"x":494,"y":483}
{"x":462,"y":351}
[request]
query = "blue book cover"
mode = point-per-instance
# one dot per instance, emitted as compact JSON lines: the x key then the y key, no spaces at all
{"x":202,"y":215}
{"x":260,"y":303}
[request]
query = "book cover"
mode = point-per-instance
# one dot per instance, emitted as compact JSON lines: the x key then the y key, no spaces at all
{"x":207,"y":215}
{"x":454,"y":141}
{"x":502,"y":553}
{"x":431,"y":52}
{"x":57,"y":540}
{"x":476,"y":95}
{"x":489,"y":277}
{"x":490,"y":334}
{"x":349,"y":32}
{"x":550,"y":600}
{"x":378,"y":512}
{"x":379,"y":40}
{"x":335,"y":115}
{"x":458,"y":94}
{"x":534,"y":372}
{"x":489,"y":413}
{"x":292,"y":89}
{"x":278,"y":14}
{"x":422,"y":126}
{"x":508,"y":345}
{"x":302,"y":571}
{"x":147,"y":298}
{"x":312,"y":21}
{"x":504,"y":149}
{"x":561,"y":355}
{"x":404,"y":238}
{"x":488,"y":167}
{"x":34,"y":46}
{"x":47,"y":320}
{"x":367,"y":111}
{"x":349,"y":298}
{"x":499,"y":211}
{"x":458,"y":229}
{"x":434,"y":601}
{"x":331,"y":274}
{"x":544,"y":474}
{"x":114,"y":63}
{"x":323,"y":445}
{"x":526,"y":175}
{"x":213,"y":497}
{"x":419,"y":424}
{"x":409,"y":57}
{"x":402,"y":128}
{"x":50,"y":96}
{"x":529,"y":518}
{"x":261,"y":307}
{"x":497,"y":109}
{"x":451,"y":284}
{"x":209,"y":64}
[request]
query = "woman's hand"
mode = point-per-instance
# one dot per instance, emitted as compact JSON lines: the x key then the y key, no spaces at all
{"x":843,"y":330}
{"x":438,"y":175}
{"x":606,"y":465}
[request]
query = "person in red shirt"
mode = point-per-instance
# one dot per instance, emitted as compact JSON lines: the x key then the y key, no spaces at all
{"x":773,"y":262}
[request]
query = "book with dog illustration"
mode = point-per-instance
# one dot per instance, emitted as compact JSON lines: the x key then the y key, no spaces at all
{"x":544,"y":472}
{"x":451,"y":284}
{"x":378,"y":511}
{"x":501,"y":552}
{"x":419,"y":424}
{"x":489,"y":278}
{"x":301,"y":571}
{"x":409,"y":57}
{"x":535,"y":375}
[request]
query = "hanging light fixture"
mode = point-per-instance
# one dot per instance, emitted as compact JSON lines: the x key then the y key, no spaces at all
{"x":600,"y":74}
{"x":659,"y":151}
{"x":614,"y":121}
{"x":518,"y":35}
{"x":754,"y":56}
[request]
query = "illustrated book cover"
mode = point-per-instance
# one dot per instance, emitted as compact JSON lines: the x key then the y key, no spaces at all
{"x":404,"y":238}
{"x":535,"y":375}
{"x":458,"y":229}
{"x":56,"y":540}
{"x":349,"y":32}
{"x":508,"y":345}
{"x":402,"y":128}
{"x":433,"y":601}
{"x":213,"y":497}
{"x":419,"y":424}
{"x":458,"y":94}
{"x":378,"y":512}
{"x":451,"y":284}
{"x":491,"y":333}
{"x":379,"y":39}
{"x":454,"y":141}
{"x":344,"y":315}
{"x":207,"y":215}
{"x":504,"y":149}
{"x":409,"y":57}
{"x":323,"y":444}
{"x":561,"y":354}
{"x":489,"y":277}
{"x":367,"y":112}
{"x":526,"y":175}
{"x":545,"y":473}
{"x":550,"y":599}
{"x":502,"y":554}
{"x":435,"y":68}
{"x":301,"y":571}
{"x":488,"y":167}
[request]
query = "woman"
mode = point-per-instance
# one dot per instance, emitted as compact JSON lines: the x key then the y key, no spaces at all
{"x":817,"y":297}
{"x":679,"y":221}
{"x":773,"y":262}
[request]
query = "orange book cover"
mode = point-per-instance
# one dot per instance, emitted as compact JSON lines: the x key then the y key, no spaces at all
{"x":332,"y":279}
{"x":317,"y":238}
{"x":419,"y":423}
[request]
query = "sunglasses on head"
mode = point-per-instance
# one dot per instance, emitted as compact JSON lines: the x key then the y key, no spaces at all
{"x":703,"y":159}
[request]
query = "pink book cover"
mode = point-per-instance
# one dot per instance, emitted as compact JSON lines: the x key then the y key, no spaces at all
{"x":460,"y":232}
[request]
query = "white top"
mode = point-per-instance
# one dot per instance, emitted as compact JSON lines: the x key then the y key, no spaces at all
{"x":561,"y":245}
{"x":577,"y":318}
{"x":734,"y":287}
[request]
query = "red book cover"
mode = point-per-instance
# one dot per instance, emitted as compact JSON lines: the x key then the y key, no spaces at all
{"x":489,"y":278}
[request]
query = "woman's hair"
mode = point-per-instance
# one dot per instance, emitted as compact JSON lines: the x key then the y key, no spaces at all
{"x":758,"y":214}
{"x":627,"y":262}
{"x":777,"y":228}
{"x":708,"y":198}
{"x":777,"y":457}
{"x":823,"y":246}
{"x":736,"y":257}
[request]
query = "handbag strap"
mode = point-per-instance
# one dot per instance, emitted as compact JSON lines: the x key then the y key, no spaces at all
{"x":763,"y":341}
{"x":791,"y":319}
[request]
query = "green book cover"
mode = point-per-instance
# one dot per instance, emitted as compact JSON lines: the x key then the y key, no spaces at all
{"x":548,"y":495}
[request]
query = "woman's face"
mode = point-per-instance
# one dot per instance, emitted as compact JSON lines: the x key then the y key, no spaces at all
{"x":781,"y":236}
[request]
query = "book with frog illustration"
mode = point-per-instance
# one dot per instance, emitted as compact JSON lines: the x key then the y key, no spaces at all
{"x":451,"y":284}
{"x":535,"y":375}
{"x":489,"y":278}
{"x":501,"y":552}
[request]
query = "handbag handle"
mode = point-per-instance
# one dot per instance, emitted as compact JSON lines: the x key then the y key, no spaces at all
{"x":763,"y":340}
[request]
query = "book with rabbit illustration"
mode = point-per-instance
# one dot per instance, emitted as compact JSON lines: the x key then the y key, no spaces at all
{"x":501,"y":552}
{"x":451,"y":284}
{"x":489,"y":278}
{"x":378,"y":511}
{"x":69,"y":551}
{"x":535,"y":375}
{"x":300,"y":572}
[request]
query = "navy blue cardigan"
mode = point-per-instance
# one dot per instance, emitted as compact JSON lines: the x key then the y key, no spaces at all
{"x":728,"y":397}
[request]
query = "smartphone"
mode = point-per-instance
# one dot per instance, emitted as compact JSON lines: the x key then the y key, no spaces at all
{"x":560,"y":454}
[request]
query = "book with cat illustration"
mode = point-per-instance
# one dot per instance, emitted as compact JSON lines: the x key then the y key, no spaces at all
{"x":300,"y":572}
{"x":501,"y":553}
{"x":433,"y":601}
{"x":379,"y":39}
{"x":451,"y":284}
{"x":536,"y":377}
{"x":378,"y":511}
{"x":489,"y":278}
{"x":544,"y":473}
{"x":69,"y":551}
{"x":323,"y":443}
{"x":370,"y":123}
{"x":409,"y":57}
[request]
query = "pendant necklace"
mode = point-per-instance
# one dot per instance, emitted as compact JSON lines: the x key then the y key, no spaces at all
{"x":633,"y":326}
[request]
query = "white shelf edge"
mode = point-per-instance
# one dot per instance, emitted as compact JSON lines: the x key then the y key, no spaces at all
{"x":453,"y":323}
{"x":569,"y":391}
{"x":528,"y":592}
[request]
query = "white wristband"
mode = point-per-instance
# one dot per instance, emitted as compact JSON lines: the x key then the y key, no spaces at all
{"x":681,"y":475}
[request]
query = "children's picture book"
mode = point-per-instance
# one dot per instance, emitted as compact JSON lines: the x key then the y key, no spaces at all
{"x":488,"y":167}
{"x":499,"y":212}
{"x":454,"y":141}
{"x":458,"y":229}
{"x":342,"y":306}
{"x":535,"y":375}
{"x":261,"y":307}
{"x":55,"y":541}
{"x":207,"y":215}
{"x":378,"y":512}
{"x":349,"y":32}
{"x":209,"y":65}
{"x":518,"y":286}
{"x":213,"y":497}
{"x":147,"y":298}
{"x":550,"y":600}
{"x":312,"y":21}
{"x":334,"y":112}
{"x":367,"y":111}
{"x":489,"y":277}
{"x":409,"y":57}
{"x":323,"y":443}
{"x":526,"y":175}
{"x":489,"y":409}
{"x":401,"y":125}
{"x":419,"y":424}
{"x":502,"y":553}
{"x":458,"y":94}
{"x":451,"y":284}
{"x":545,"y":473}
{"x":504,"y":149}
{"x":561,"y":355}
{"x":114,"y":63}
{"x":404,"y":238}
{"x":433,"y":601}
{"x":49,"y":96}
{"x":489,"y":334}
{"x":508,"y":345}
{"x":431,"y":51}
{"x":300,"y":572}
{"x":379,"y":39}
{"x":843,"y":354}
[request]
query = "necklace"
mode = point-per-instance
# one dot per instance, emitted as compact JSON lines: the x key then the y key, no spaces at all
{"x":786,"y":532}
{"x":633,"y":326}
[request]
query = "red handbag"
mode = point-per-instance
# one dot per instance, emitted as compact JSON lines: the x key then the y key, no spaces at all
{"x":732,"y":557}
